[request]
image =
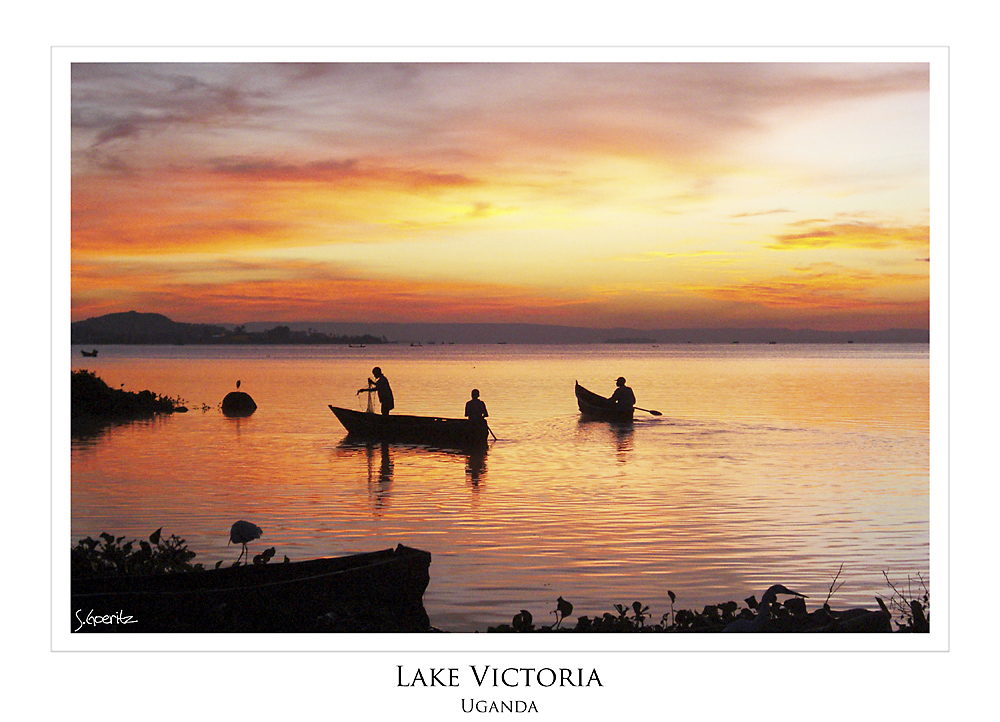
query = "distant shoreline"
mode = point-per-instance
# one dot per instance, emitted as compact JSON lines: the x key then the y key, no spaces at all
{"x":132,"y":328}
{"x":88,"y":344}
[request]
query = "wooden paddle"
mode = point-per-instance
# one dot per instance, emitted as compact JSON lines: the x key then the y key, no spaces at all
{"x":648,"y":411}
{"x":491,"y":431}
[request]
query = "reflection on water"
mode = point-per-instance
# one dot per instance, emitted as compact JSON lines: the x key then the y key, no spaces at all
{"x":378,"y":465}
{"x":475,"y":468}
{"x":620,"y":436}
{"x":769,"y":464}
{"x":379,"y":460}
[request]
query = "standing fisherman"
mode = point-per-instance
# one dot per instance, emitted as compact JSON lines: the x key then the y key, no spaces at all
{"x":380,"y":386}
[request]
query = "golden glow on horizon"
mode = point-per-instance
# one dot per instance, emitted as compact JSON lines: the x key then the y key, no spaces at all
{"x":780,"y":194}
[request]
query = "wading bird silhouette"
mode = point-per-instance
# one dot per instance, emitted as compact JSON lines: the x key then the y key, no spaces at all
{"x":243,"y":532}
{"x":563,"y":609}
{"x":763,"y":611}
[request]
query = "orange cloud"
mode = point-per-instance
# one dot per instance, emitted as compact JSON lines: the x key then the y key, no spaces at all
{"x":829,"y":288}
{"x":240,"y":204}
{"x":856,"y":234}
{"x":236,"y":292}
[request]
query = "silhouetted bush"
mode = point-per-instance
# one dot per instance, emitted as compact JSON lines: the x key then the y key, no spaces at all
{"x":107,"y":556}
{"x":92,"y":398}
{"x":788,"y":616}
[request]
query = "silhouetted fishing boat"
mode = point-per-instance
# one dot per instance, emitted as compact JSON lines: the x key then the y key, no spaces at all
{"x":89,"y":353}
{"x":376,"y":591}
{"x":594,"y":406}
{"x":400,"y":428}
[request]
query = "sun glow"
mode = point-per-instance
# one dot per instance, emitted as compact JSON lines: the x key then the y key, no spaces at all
{"x":634,"y":194}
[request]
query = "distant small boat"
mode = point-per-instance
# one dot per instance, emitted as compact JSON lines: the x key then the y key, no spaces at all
{"x":594,"y":406}
{"x":89,"y":353}
{"x":405,"y":429}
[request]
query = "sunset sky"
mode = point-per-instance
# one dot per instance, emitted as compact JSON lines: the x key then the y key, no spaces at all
{"x":647,"y":195}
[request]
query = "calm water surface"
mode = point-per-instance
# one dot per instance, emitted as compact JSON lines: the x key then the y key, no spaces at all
{"x":770,"y":464}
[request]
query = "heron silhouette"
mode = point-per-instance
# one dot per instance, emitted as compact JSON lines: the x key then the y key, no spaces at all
{"x":243,"y":532}
{"x":563,"y":609}
{"x":763,"y":611}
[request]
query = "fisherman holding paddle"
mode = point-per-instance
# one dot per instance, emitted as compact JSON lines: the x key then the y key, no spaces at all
{"x":623,"y":396}
{"x":475,"y":410}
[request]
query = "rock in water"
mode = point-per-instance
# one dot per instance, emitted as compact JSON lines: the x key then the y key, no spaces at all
{"x":238,"y":403}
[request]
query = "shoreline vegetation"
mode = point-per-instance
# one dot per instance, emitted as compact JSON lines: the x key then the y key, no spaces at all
{"x":93,"y":401}
{"x":133,"y":328}
{"x":110,"y":558}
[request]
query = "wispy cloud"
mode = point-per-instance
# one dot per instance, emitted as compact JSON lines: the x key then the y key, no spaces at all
{"x":647,"y":255}
{"x":825,"y":286}
{"x":336,"y":171}
{"x":231,"y":290}
{"x":857,"y":234}
{"x":677,"y":109}
{"x":754,"y":214}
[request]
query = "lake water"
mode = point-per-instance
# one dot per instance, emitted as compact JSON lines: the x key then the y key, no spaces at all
{"x":770,"y":464}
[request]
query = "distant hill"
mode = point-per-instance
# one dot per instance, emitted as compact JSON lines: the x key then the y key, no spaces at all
{"x":141,"y":328}
{"x":154,"y":328}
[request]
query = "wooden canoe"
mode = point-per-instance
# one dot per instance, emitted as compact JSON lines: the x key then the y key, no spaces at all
{"x":599,"y":408}
{"x":404,"y":429}
{"x":373,"y":592}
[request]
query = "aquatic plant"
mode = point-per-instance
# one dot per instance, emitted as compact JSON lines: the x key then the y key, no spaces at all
{"x":769,"y":615}
{"x":913,"y":608}
{"x":834,"y":586}
{"x":522,"y":621}
{"x":109,"y":556}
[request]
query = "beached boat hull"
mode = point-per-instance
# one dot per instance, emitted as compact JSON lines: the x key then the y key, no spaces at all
{"x":404,"y":429}
{"x":373,"y":592}
{"x":599,"y":408}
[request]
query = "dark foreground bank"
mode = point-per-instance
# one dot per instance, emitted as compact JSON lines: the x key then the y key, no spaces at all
{"x":154,"y":586}
{"x":118,"y":587}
